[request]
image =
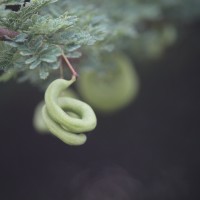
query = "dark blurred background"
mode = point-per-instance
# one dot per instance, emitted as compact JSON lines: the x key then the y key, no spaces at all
{"x":148,"y":151}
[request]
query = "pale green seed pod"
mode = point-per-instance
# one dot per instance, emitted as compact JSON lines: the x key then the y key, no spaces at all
{"x":62,"y":124}
{"x":113,"y":88}
{"x":38,"y":121}
{"x":6,"y":76}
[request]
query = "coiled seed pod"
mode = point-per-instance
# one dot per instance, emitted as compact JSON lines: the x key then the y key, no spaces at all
{"x":57,"y":114}
{"x":112,"y":88}
{"x":38,"y":121}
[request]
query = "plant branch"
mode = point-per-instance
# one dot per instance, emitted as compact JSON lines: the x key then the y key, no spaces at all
{"x":74,"y":73}
{"x":4,"y":32}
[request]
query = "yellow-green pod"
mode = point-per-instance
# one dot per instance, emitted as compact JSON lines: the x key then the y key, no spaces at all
{"x":62,"y":124}
{"x":6,"y":76}
{"x":113,"y":88}
{"x":38,"y":121}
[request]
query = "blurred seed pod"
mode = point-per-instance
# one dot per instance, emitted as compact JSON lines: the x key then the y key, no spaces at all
{"x":112,"y":88}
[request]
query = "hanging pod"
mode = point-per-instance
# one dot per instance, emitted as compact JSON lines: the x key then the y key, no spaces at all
{"x":67,"y":118}
{"x":112,"y":87}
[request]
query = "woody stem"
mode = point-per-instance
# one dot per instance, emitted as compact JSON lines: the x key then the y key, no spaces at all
{"x":6,"y":32}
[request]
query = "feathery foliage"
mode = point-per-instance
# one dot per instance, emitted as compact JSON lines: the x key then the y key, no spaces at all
{"x":42,"y":37}
{"x":43,"y":33}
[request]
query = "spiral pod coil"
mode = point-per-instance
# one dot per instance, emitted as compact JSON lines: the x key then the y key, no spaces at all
{"x":38,"y":121}
{"x":65,"y":117}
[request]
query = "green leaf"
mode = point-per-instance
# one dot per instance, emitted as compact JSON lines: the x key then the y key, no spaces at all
{"x":21,"y":37}
{"x":72,"y":47}
{"x":25,"y":53}
{"x":75,"y":54}
{"x":35,"y":64}
{"x":55,"y":65}
{"x":30,"y":60}
{"x":48,"y":58}
{"x":43,"y":72}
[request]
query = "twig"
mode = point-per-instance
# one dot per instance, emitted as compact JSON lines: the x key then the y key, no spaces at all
{"x":74,"y":73}
{"x":4,"y":32}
